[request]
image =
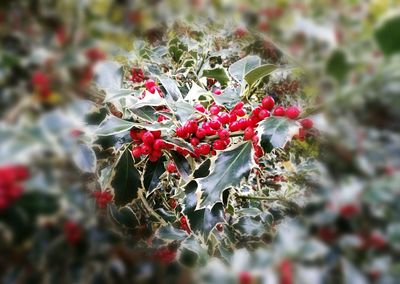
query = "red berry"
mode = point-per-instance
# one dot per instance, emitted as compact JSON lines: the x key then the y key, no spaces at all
{"x":191,"y":126}
{"x":215,"y":124}
{"x":194,"y":141}
{"x":150,"y":84}
{"x":243,"y":123}
{"x":232,"y":117}
{"x":205,"y":149}
{"x":171,"y":167}
{"x":223,"y":134}
{"x":219,"y":144}
{"x":279,"y":111}
{"x":219,"y":227}
{"x":307,"y":123}
{"x":135,"y":134}
{"x":156,"y":134}
{"x":248,"y":133}
{"x":148,"y":138}
{"x":256,"y":111}
{"x":146,"y":149}
{"x":201,"y":133}
{"x":158,"y":144}
{"x":181,"y":132}
{"x":234,"y":126}
{"x":214,"y":109}
{"x":292,"y":112}
{"x":240,"y":112}
{"x":172,"y":203}
{"x":245,"y":278}
{"x":200,"y":108}
{"x":263,"y":114}
{"x":136,"y":152}
{"x":239,"y":105}
{"x":217,"y":91}
{"x":223,"y":118}
{"x":268,"y":103}
{"x":253,"y":121}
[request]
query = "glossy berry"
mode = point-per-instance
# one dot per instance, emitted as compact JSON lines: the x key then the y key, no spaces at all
{"x":279,"y":111}
{"x":240,"y":112}
{"x":156,"y":134}
{"x":234,"y":126}
{"x":194,"y":141}
{"x":146,"y":149}
{"x":217,"y":92}
{"x":224,"y":118}
{"x":171,"y":167}
{"x":219,"y":144}
{"x":137,"y":152}
{"x":245,"y":278}
{"x":215,"y":124}
{"x":200,"y":108}
{"x":158,"y":144}
{"x":214,"y":110}
{"x":205,"y":149}
{"x":181,"y":132}
{"x":223,"y":134}
{"x":292,"y":112}
{"x":149,"y":84}
{"x":148,"y":138}
{"x":263,"y":114}
{"x":307,"y":123}
{"x":201,"y":133}
{"x":219,"y":227}
{"x":248,"y":133}
{"x":268,"y":103}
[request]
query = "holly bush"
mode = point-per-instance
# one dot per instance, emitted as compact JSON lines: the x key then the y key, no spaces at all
{"x":194,"y":141}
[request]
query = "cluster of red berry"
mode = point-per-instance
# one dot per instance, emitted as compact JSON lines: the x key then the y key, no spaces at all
{"x":165,"y":254}
{"x":10,"y":188}
{"x":150,"y":85}
{"x":148,"y":143}
{"x":102,"y":198}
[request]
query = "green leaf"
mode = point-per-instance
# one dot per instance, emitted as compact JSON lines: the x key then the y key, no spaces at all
{"x":203,"y":170}
{"x":337,"y":65}
{"x":229,"y":97}
{"x":146,"y":113}
{"x":229,"y":168}
{"x":124,"y":216}
{"x":201,"y":220}
{"x":149,"y":100}
{"x":38,"y":203}
{"x":218,"y":74}
{"x":276,"y":130}
{"x":178,"y":142}
{"x":182,"y":165}
{"x":152,"y":173}
{"x":112,"y":125}
{"x":387,"y":34}
{"x":171,"y":233}
{"x":239,"y":69}
{"x":126,"y":181}
{"x":182,"y":109}
{"x":85,"y":158}
{"x":171,"y":87}
{"x":192,"y":252}
{"x":258,"y":73}
{"x":115,"y":94}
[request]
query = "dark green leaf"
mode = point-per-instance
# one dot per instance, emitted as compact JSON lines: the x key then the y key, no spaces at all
{"x":337,"y":65}
{"x":126,"y":181}
{"x":276,"y":130}
{"x":124,"y":216}
{"x":202,"y":220}
{"x":203,"y":170}
{"x":182,"y":165}
{"x":168,"y":232}
{"x":230,"y":167}
{"x":152,"y":173}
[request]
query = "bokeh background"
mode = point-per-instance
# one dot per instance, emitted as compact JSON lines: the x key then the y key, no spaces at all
{"x":53,"y":231}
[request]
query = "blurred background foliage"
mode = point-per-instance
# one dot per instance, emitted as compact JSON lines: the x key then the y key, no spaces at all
{"x":349,"y":230}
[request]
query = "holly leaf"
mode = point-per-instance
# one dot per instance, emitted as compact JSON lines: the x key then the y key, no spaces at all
{"x":258,"y":73}
{"x":239,"y":69}
{"x":218,"y":74}
{"x":124,"y":216}
{"x":171,"y":87}
{"x":146,"y":113}
{"x":229,"y":168}
{"x":152,"y":174}
{"x":126,"y":181}
{"x":277,"y":131}
{"x":170,"y":233}
{"x":108,"y":75}
{"x":338,"y":66}
{"x":112,"y":125}
{"x":182,"y":165}
{"x":85,"y":158}
{"x":229,"y":97}
{"x":201,"y":220}
{"x":250,"y":226}
{"x":178,"y":142}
